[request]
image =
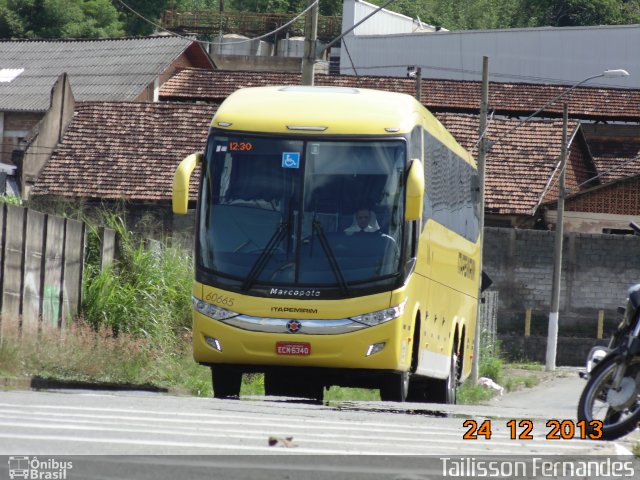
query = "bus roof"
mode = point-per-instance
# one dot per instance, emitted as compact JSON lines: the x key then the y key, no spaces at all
{"x":328,"y":111}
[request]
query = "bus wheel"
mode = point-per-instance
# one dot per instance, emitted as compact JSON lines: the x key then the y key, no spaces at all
{"x":276,"y":385}
{"x":395,"y":387}
{"x":226,"y":381}
{"x":444,"y":391}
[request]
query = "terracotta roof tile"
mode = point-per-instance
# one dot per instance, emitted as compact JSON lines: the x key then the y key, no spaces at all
{"x":130,"y":151}
{"x":124,"y":150}
{"x":437,"y":94}
{"x":519,"y":166}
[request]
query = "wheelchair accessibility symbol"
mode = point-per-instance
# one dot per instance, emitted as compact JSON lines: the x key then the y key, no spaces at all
{"x":290,"y":160}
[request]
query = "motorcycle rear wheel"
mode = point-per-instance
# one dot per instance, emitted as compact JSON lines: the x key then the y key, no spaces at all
{"x":620,"y":416}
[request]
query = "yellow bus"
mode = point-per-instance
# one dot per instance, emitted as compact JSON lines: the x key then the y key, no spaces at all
{"x":337,"y":243}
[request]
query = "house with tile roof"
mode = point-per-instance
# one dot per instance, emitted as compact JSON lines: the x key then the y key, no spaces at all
{"x":438,"y":95}
{"x":121,"y":69}
{"x":100,"y":158}
{"x":125,"y":151}
{"x":608,"y":134}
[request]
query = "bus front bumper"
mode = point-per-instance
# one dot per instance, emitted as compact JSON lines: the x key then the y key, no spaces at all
{"x":386,"y":346}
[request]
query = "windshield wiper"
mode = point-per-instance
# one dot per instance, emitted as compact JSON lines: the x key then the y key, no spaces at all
{"x":317,"y":226}
{"x":264,"y":257}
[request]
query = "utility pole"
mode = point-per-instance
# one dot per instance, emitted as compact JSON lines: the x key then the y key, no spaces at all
{"x":552,"y":336}
{"x":310,"y":37}
{"x":482,"y":151}
{"x":419,"y":84}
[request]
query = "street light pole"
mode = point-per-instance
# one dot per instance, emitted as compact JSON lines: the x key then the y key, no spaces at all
{"x":552,"y":334}
{"x":482,"y":149}
{"x":485,"y":147}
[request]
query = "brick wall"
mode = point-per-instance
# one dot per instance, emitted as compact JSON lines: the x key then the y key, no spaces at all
{"x":597,"y":270}
{"x":622,"y":198}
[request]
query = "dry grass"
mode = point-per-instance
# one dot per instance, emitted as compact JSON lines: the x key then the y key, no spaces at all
{"x":81,"y":353}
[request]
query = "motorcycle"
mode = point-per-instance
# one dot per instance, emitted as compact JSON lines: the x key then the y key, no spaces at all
{"x":610,"y":401}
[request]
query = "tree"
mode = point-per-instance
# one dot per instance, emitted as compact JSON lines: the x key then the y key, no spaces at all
{"x":11,"y":25}
{"x":151,"y":10}
{"x":565,"y":13}
{"x":59,"y":19}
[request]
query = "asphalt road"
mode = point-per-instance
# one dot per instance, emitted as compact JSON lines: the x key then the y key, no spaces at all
{"x":143,"y":435}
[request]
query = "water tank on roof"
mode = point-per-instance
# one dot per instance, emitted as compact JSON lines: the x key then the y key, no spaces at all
{"x":291,"y":47}
{"x":233,"y":44}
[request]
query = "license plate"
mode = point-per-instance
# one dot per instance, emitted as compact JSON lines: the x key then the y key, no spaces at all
{"x":288,"y":348}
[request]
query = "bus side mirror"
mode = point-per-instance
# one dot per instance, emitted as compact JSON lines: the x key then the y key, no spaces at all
{"x":415,"y":192}
{"x":181,"y":182}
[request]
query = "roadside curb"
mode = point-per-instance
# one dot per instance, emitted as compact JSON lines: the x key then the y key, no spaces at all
{"x":41,"y":383}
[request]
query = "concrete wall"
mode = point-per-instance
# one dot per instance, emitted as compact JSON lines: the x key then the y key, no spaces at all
{"x":50,"y":131}
{"x":597,"y":271}
{"x":41,"y":266}
{"x":15,"y":128}
{"x":571,"y":351}
{"x":257,"y":63}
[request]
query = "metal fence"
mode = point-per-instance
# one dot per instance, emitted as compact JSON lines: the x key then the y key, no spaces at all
{"x":246,"y":23}
{"x":488,"y":322}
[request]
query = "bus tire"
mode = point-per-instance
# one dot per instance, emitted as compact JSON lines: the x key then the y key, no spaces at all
{"x":395,"y":387}
{"x":226,"y":381}
{"x":445,"y":391}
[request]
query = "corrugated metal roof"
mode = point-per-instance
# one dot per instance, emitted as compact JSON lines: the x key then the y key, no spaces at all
{"x":103,"y":70}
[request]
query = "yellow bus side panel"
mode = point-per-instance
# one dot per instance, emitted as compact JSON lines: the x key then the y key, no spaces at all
{"x":449,"y":264}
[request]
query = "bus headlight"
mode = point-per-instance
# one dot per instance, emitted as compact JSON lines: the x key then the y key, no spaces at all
{"x":380,"y":316}
{"x":212,"y":311}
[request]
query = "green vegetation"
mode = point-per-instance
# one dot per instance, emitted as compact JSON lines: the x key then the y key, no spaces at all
{"x":134,"y":327}
{"x":489,"y":14}
{"x":103,"y":18}
{"x":505,"y":375}
{"x":10,"y":199}
{"x":146,"y":293}
{"x":81,"y":353}
{"x":59,"y":19}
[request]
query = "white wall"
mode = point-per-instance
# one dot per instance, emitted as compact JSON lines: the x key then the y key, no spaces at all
{"x":384,"y":22}
{"x":538,"y":55}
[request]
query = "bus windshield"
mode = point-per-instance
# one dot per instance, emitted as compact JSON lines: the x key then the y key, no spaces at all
{"x":301,"y":213}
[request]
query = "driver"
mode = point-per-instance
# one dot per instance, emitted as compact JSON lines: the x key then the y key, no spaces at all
{"x":364,"y":220}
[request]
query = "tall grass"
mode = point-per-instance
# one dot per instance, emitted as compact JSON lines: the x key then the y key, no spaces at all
{"x":134,"y":325}
{"x":145,"y":293}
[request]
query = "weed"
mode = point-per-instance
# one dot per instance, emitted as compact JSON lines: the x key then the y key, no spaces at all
{"x":517,"y":382}
{"x":10,"y":199}
{"x":145,"y":292}
{"x":470,"y":394}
